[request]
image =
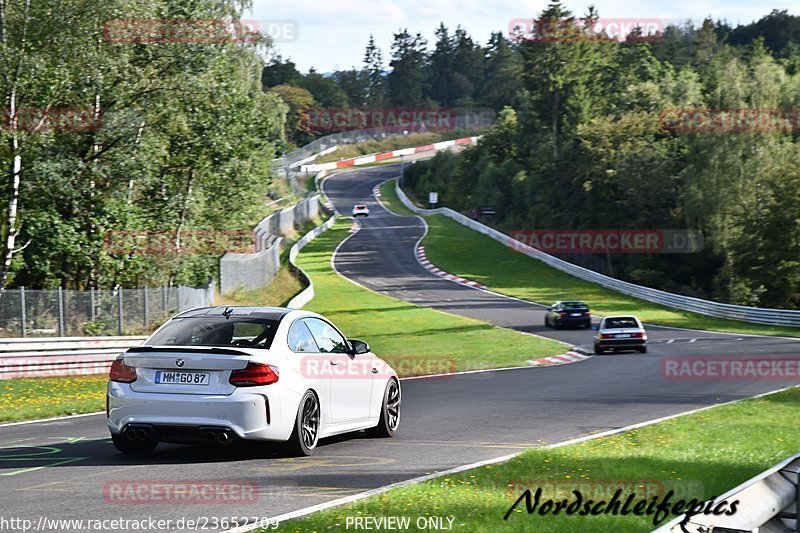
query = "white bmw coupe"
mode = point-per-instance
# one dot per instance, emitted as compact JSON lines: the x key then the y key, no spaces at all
{"x":218,"y":374}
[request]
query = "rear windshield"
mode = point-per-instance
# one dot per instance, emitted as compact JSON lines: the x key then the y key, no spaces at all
{"x":623,"y":322}
{"x":216,"y":331}
{"x":575,"y":305}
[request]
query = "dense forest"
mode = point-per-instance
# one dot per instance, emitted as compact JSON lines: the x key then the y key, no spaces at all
{"x":110,"y":130}
{"x":588,"y":144}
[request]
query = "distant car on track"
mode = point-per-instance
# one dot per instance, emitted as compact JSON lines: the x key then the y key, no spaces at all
{"x":218,"y":374}
{"x":620,"y":333}
{"x":360,"y":210}
{"x":568,"y":313}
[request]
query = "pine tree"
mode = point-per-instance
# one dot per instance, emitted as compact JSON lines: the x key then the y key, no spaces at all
{"x":376,"y":79}
{"x":407,"y":80}
{"x":441,"y":67}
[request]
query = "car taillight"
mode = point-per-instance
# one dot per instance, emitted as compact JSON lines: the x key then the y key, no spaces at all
{"x":121,"y":373}
{"x":637,"y":335}
{"x":587,"y":313}
{"x":606,"y":335}
{"x":253,"y":375}
{"x":563,"y":314}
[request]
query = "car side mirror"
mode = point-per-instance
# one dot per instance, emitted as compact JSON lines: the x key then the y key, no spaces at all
{"x":359,"y":347}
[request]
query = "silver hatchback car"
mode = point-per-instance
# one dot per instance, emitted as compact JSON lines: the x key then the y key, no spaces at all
{"x":620,"y":333}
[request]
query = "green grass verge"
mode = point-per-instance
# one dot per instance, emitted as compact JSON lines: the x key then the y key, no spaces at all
{"x":417,"y":340}
{"x":281,"y":289}
{"x":464,"y":252}
{"x":700,"y":455}
{"x":29,"y":398}
{"x":277,"y":293}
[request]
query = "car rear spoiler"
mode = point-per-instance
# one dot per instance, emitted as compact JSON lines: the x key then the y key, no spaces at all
{"x":186,"y":349}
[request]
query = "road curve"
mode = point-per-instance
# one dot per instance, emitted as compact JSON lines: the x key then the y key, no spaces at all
{"x":67,"y":468}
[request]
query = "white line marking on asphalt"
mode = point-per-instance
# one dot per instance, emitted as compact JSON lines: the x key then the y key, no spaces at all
{"x":413,"y":481}
{"x":43,"y":420}
{"x":795,"y":339}
{"x":409,"y":378}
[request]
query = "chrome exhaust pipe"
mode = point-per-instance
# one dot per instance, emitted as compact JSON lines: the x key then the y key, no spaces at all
{"x":134,"y":433}
{"x":210,"y":437}
{"x":223,"y":437}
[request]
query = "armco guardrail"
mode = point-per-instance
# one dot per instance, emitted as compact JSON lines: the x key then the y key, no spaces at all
{"x":60,"y":356}
{"x":473,"y":119}
{"x":768,"y":502}
{"x":256,"y":270}
{"x":305,"y":296}
{"x":374,"y":158}
{"x":774,"y":317}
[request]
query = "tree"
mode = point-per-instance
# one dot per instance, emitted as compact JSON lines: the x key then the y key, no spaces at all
{"x":503,"y":68}
{"x":441,"y":68}
{"x":165,"y":126}
{"x":376,"y":79}
{"x":355,"y":84}
{"x":299,"y":101}
{"x":280,"y":72}
{"x":325,"y":91}
{"x":779,"y":29}
{"x":467,"y":68}
{"x":407,"y":79}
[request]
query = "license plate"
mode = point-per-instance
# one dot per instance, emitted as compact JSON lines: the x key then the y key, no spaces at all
{"x":182,"y":378}
{"x":623,"y":335}
{"x":576,"y":314}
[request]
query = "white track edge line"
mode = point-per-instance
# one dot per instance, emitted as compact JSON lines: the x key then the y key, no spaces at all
{"x":53,"y":419}
{"x":796,"y":339}
{"x":408,"y":378}
{"x":413,"y":481}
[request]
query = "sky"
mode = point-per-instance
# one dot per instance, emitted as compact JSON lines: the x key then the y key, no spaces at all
{"x":332,"y":34}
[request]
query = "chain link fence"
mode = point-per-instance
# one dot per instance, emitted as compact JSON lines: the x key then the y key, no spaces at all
{"x":59,"y":312}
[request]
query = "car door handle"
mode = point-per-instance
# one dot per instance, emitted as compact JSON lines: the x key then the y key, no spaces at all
{"x":374,"y":370}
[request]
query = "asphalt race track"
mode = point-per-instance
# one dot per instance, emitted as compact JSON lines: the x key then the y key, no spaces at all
{"x":66,"y":469}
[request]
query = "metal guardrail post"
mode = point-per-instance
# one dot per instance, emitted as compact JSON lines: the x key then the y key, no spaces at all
{"x":146,"y":310}
{"x":23,"y":316}
{"x":93,"y":305}
{"x":60,"y":312}
{"x":119,"y":311}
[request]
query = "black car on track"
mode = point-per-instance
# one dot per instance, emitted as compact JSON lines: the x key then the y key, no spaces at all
{"x":568,"y":313}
